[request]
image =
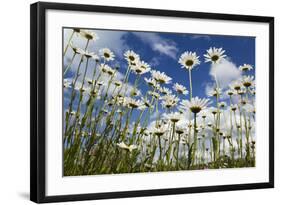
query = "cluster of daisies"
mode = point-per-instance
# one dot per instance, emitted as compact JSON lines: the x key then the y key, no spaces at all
{"x":165,"y":124}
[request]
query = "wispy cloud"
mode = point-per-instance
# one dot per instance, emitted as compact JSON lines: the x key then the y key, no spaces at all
{"x":155,"y":61}
{"x":225,"y":72}
{"x":159,"y":44}
{"x":200,"y":36}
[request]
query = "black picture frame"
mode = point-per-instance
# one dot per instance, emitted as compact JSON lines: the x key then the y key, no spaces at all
{"x":38,"y":101}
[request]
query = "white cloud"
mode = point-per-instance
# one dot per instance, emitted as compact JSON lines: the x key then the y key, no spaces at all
{"x":159,"y":44}
{"x":225,"y":72}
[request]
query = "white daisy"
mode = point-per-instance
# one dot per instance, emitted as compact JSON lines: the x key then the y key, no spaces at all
{"x":180,"y":89}
{"x":204,"y":114}
{"x":146,"y":102}
{"x":159,"y":130}
{"x":117,"y":83}
{"x":236,"y":85}
{"x":222,"y":104}
{"x":215,"y":92}
{"x":246,"y":67}
{"x":151,"y":82}
{"x":88,"y":54}
{"x":141,"y":67}
{"x":160,"y":77}
{"x":164,"y":91}
{"x":110,"y":71}
{"x":153,"y":94}
{"x":132,"y":103}
{"x":135,"y":92}
{"x":195,"y":105}
{"x":131,"y":57}
{"x":213,"y":110}
{"x":106,"y":69}
{"x":169,"y":101}
{"x":77,"y":30}
{"x":174,"y":117}
{"x":248,"y":81}
{"x":130,"y":148}
{"x":188,"y":60}
{"x":106,"y":54}
{"x":214,"y":55}
{"x":230,"y":92}
{"x":89,"y":35}
{"x":180,"y":130}
{"x":233,"y":107}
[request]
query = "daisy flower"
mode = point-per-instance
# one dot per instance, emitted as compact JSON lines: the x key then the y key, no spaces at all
{"x":242,"y":91}
{"x":159,"y":130}
{"x":132,"y":103}
{"x":180,"y":130}
{"x":72,"y":113}
{"x":245,"y":67}
{"x":107,"y":54}
{"x":160,"y":77}
{"x":141,"y":67}
{"x":151,"y":82}
{"x":165,"y":91}
{"x":135,"y":92}
{"x":146,"y":102}
{"x":214,"y":55}
{"x":99,"y":82}
{"x":131,"y":57}
{"x":215,"y":92}
{"x":88,"y":54}
{"x":233,"y":107}
{"x":230,"y":92}
{"x":153,"y":94}
{"x":173,"y":117}
{"x":222,"y":104}
{"x":195,"y":105}
{"x":89,"y":35}
{"x":248,"y":81}
{"x":130,"y":148}
{"x":180,"y":89}
{"x":204,"y":114}
{"x":169,"y":101}
{"x":77,"y":30}
{"x":214,"y":110}
{"x":236,"y":85}
{"x":117,"y":83}
{"x":188,"y":60}
{"x":105,"y":68}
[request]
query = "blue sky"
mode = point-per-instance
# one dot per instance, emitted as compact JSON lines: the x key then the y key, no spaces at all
{"x":162,"y":51}
{"x":239,"y":50}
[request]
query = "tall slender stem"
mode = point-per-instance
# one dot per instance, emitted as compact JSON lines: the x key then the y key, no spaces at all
{"x":190,"y":84}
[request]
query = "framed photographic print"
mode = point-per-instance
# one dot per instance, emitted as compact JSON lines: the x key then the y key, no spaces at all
{"x":129,"y":102}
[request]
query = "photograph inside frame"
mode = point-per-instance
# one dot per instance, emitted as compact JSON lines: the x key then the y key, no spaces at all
{"x":137,"y":101}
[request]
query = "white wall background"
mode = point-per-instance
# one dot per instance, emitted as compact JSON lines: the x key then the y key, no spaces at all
{"x":14,"y":101}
